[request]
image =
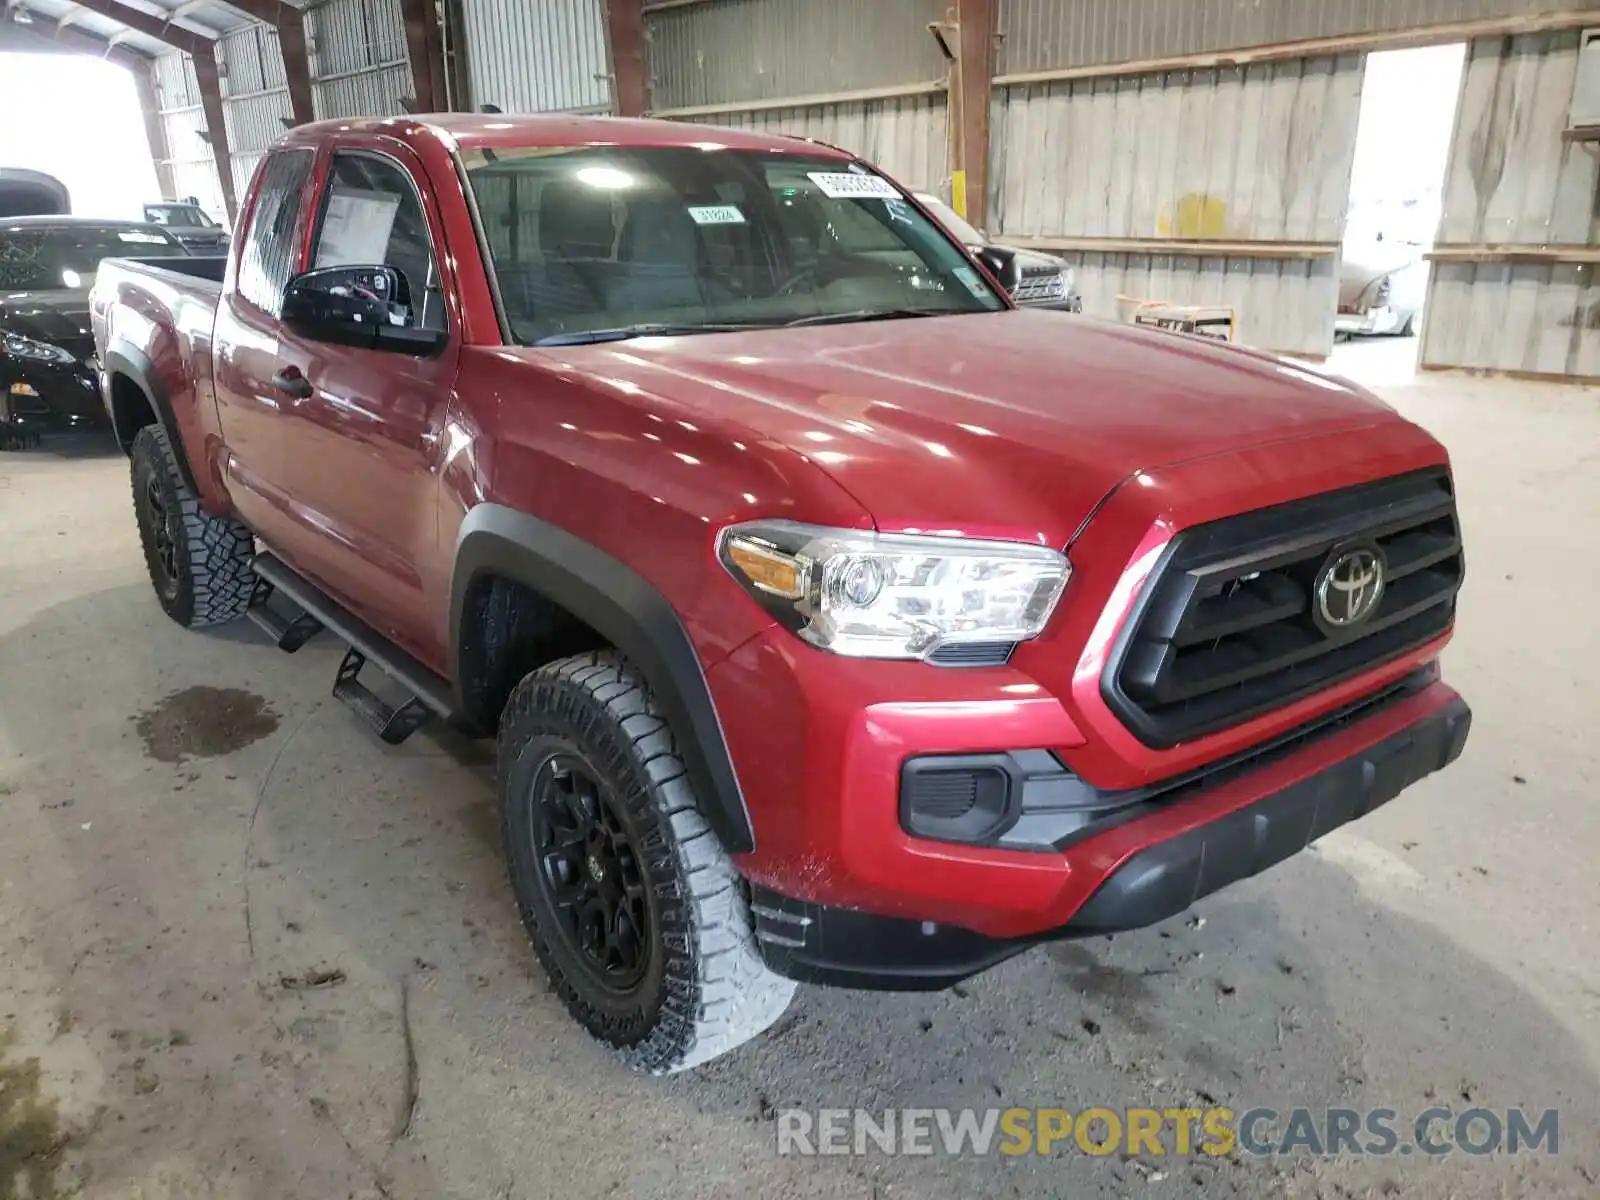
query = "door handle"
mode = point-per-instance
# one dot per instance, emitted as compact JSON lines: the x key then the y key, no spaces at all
{"x":292,"y":383}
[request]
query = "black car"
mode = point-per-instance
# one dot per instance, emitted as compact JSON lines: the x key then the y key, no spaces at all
{"x":188,"y":222}
{"x":49,"y":379}
{"x":1042,"y":280}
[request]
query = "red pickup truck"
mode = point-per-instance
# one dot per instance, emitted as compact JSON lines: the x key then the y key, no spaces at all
{"x":837,"y":620}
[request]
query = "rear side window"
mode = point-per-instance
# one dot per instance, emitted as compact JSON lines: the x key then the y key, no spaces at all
{"x":268,"y":258}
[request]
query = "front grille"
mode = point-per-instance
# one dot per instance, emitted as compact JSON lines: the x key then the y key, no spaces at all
{"x":1040,"y":289}
{"x":1227,"y":629}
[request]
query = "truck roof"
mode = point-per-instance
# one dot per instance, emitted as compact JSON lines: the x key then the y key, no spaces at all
{"x":508,"y":131}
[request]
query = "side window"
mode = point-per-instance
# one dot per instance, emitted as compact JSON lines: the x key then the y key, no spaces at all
{"x":267,"y":260}
{"x":372,"y":215}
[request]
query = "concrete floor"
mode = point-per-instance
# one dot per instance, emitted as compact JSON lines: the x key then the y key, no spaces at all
{"x":246,"y":951}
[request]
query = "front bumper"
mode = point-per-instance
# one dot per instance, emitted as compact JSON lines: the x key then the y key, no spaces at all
{"x":1151,"y":865}
{"x":50,"y":396}
{"x":1373,"y":321}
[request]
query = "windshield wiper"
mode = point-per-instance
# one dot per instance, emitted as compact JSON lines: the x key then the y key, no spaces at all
{"x":868,"y":314}
{"x":587,"y":337}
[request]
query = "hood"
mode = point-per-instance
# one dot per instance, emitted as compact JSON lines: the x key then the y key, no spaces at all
{"x":57,"y":317}
{"x":1010,"y":424}
{"x":195,"y":233}
{"x":1035,"y":262}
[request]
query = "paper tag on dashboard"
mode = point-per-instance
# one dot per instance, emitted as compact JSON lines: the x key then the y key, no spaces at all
{"x":843,"y":185}
{"x":716,"y":214}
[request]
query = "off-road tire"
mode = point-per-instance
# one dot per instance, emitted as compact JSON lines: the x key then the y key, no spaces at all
{"x":212,"y":582}
{"x":705,"y":988}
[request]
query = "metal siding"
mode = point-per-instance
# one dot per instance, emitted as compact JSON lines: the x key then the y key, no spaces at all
{"x":1283,"y":305}
{"x":372,"y":93}
{"x":731,"y":50}
{"x":1536,"y":317}
{"x":359,"y":65}
{"x":194,"y":171}
{"x":537,"y":55}
{"x":1513,"y":180}
{"x":1512,"y":177}
{"x":1260,"y":153}
{"x":905,"y":137}
{"x":1043,"y":35}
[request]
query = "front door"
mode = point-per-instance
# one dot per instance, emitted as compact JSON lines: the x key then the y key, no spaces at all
{"x":372,"y":421}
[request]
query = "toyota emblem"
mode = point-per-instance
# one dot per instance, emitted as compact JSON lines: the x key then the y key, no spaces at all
{"x":1350,"y":587}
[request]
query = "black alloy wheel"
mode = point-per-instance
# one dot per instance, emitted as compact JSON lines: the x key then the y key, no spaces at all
{"x":159,"y":515}
{"x":590,"y":872}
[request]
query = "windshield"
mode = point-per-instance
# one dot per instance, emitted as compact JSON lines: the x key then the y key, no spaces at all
{"x":620,"y":241}
{"x":951,"y":220}
{"x":46,"y":258}
{"x":177,"y":214}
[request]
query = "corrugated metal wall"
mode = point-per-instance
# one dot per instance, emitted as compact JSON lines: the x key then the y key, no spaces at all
{"x":255,"y":97}
{"x":1283,"y":304}
{"x":193,"y":169}
{"x":358,"y":58}
{"x":1513,"y":180}
{"x":736,"y":50}
{"x":905,"y":136}
{"x":537,"y":55}
{"x":1260,"y":153}
{"x":1242,"y":154}
{"x":1042,"y":35}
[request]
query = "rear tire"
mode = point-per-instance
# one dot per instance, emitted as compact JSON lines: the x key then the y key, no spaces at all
{"x":199,"y":565}
{"x":633,"y":907}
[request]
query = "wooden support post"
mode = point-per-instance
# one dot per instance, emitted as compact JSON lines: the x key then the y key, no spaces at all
{"x":630,"y":86}
{"x":969,"y":37}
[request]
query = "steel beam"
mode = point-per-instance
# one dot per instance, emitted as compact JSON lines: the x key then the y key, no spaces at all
{"x":630,"y":85}
{"x":205,"y":72}
{"x":425,"y":49}
{"x":151,"y":26}
{"x":89,"y":43}
{"x":155,"y":129}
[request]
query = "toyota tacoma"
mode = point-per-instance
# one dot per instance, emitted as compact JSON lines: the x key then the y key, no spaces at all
{"x":836,"y":619}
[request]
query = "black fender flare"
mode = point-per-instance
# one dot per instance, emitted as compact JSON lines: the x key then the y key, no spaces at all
{"x":624,"y":608}
{"x":122,"y":358}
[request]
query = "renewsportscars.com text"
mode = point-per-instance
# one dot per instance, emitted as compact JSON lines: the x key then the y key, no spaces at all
{"x":1166,"y":1131}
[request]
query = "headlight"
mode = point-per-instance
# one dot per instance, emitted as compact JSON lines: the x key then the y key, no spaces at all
{"x":20,"y":347}
{"x":1069,"y":281}
{"x":870,"y":595}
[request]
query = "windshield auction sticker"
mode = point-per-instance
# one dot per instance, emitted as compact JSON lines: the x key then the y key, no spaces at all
{"x":839,"y":185}
{"x":716,"y":214}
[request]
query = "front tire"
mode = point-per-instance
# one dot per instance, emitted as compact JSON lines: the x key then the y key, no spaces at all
{"x":199,"y":565}
{"x":633,"y":907}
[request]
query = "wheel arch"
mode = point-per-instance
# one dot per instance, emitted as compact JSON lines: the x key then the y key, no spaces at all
{"x":125,"y":362}
{"x":624,"y":608}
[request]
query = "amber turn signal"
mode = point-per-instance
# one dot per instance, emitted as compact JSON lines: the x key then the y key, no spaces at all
{"x":773,"y":572}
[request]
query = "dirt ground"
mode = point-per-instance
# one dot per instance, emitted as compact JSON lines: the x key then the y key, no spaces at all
{"x":247,"y":951}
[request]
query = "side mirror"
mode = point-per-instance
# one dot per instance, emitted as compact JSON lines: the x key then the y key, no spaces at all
{"x":1002,"y":264}
{"x":367,"y":307}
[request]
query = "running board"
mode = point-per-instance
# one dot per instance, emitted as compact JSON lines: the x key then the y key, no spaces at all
{"x":288,"y":635}
{"x":429,"y":694}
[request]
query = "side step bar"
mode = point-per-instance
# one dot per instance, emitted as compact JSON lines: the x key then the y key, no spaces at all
{"x":430,"y":695}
